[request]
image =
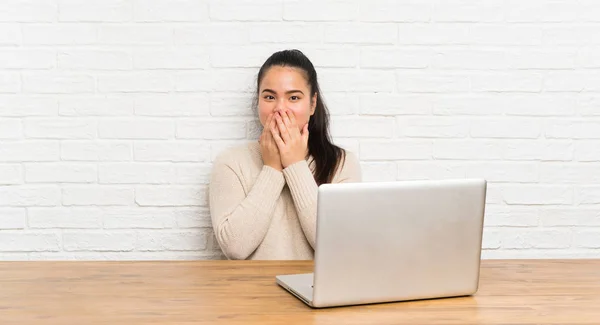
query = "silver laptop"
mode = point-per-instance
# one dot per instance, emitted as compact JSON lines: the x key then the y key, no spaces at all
{"x":394,"y":241}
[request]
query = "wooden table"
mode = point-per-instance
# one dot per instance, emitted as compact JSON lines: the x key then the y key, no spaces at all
{"x":244,"y":292}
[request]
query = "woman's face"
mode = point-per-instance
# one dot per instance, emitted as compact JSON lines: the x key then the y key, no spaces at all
{"x":285,"y":88}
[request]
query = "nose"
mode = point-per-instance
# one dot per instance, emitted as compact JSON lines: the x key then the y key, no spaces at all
{"x":279,"y":106}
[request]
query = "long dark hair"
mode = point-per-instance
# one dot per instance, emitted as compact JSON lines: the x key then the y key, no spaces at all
{"x":327,"y":156}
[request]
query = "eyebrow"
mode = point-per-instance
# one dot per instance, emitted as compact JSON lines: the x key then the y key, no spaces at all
{"x":287,"y":92}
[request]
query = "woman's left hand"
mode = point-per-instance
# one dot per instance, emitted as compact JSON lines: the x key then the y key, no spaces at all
{"x":292,"y":144}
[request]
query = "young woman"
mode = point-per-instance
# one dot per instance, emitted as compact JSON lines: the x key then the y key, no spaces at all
{"x":263,"y":195}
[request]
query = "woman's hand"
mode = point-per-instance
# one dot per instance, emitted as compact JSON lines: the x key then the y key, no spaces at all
{"x":268,"y":147}
{"x":292,"y":144}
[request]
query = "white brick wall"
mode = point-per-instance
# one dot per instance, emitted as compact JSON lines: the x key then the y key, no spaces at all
{"x":112,"y":111}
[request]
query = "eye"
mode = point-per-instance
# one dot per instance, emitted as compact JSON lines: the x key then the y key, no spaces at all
{"x":294,"y":98}
{"x":269,"y":97}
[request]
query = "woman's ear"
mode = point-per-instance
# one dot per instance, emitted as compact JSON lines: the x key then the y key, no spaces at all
{"x":313,"y":104}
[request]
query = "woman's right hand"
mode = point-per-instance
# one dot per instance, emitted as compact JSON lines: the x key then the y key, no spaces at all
{"x":268,"y":146}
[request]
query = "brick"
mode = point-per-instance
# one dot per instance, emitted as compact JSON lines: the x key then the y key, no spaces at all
{"x":363,"y":127}
{"x":214,"y":33}
{"x":57,"y":83}
{"x":176,"y":151}
{"x":169,"y":10}
{"x":586,"y":238}
{"x":565,"y":34}
{"x":99,"y":241}
{"x":60,"y":173}
{"x":468,"y":11}
{"x":205,"y":129}
{"x":246,"y":10}
{"x":470,"y":59}
{"x":198,"y":217}
{"x":27,"y":59}
{"x":11,"y":174}
{"x":94,"y":60}
{"x":395,"y":150}
{"x":10,"y":34}
{"x":169,"y":195}
{"x":503,"y":34}
{"x":29,"y":195}
{"x":95,"y":11}
{"x":281,"y":33}
{"x":507,"y":82}
{"x":140,"y":218}
{"x":356,"y":81}
{"x":432,"y":127}
{"x":572,"y":129}
{"x":103,"y":150}
{"x":517,"y":172}
{"x":540,"y":105}
{"x":95,"y":106}
{"x":424,"y":170}
{"x":533,"y":194}
{"x":588,"y":105}
{"x":587,"y":194}
{"x":337,"y":56}
{"x":138,"y":34}
{"x":378,"y":171}
{"x":60,"y":128}
{"x":136,"y":173}
{"x":59,"y":34}
{"x":171,"y":240}
{"x":29,"y":150}
{"x":254,"y":56}
{"x":514,"y":128}
{"x":570,"y":216}
{"x":542,"y":59}
{"x":140,"y":128}
{"x":192,"y":173}
{"x":225,"y":104}
{"x":9,"y":82}
{"x":467,"y":104}
{"x":177,"y":105}
{"x":534,"y":238}
{"x":328,"y":11}
{"x":544,"y":150}
{"x":395,"y":11}
{"x":571,"y":81}
{"x":179,"y":58}
{"x":361,"y":33}
{"x":587,"y":151}
{"x":431,"y":82}
{"x":433,"y":34}
{"x":29,"y":242}
{"x":511,"y":216}
{"x":227,"y":80}
{"x":97,"y":195}
{"x":11,"y":128}
{"x":342,"y":104}
{"x":28,"y":11}
{"x":541,"y":11}
{"x":65,"y":218}
{"x":383,"y":57}
{"x":588,"y":57}
{"x":570,"y":173}
{"x":13,"y":218}
{"x":22,"y":106}
{"x":130,"y":82}
{"x":467,"y":150}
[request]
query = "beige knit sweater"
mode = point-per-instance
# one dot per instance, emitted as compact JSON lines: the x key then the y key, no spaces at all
{"x":261,"y":213}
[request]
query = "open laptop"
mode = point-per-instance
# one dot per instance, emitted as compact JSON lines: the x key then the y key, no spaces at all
{"x":394,"y":241}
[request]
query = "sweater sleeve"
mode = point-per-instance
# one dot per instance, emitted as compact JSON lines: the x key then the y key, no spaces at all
{"x":304,"y":190}
{"x":241,"y":220}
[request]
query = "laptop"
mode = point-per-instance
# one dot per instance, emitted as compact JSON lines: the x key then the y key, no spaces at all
{"x":380,"y":242}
